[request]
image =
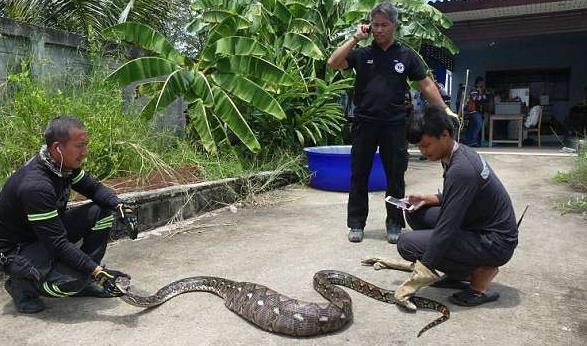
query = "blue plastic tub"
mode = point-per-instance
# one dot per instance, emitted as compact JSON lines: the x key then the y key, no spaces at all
{"x":330,"y":169}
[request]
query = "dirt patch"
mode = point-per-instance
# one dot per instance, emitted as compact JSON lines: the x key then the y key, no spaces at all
{"x":154,"y":180}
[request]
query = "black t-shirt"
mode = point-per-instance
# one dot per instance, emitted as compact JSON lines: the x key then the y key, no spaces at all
{"x":473,"y":200}
{"x":381,"y":82}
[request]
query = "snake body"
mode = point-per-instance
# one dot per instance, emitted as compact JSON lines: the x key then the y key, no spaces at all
{"x":277,"y":313}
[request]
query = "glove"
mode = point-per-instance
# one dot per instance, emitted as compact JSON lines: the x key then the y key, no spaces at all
{"x":382,"y":263}
{"x":107,"y":279}
{"x":421,"y":277}
{"x":129,"y":219}
{"x":450,"y":112}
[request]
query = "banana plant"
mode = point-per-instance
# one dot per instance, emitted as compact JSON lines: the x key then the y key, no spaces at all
{"x":301,"y":33}
{"x":86,"y":17}
{"x":231,"y":74}
{"x":240,"y":73}
{"x":293,"y":35}
{"x":313,"y":118}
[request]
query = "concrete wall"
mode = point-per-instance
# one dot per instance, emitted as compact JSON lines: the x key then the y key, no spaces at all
{"x":57,"y":56}
{"x":159,"y":207}
{"x":52,"y":53}
{"x":552,"y":51}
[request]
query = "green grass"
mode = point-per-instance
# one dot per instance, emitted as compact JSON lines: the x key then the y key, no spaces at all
{"x":121,"y":143}
{"x":577,"y":204}
{"x":576,"y":178}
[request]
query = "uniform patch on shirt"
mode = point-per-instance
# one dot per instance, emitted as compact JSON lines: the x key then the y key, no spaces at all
{"x":399,"y":67}
{"x":485,"y":171}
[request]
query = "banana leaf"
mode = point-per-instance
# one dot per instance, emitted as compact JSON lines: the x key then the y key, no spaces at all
{"x":226,"y":110}
{"x":145,"y":37}
{"x":250,"y":92}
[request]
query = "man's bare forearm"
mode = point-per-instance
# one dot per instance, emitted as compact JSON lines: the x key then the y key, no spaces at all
{"x":338,"y":58}
{"x":430,"y":91}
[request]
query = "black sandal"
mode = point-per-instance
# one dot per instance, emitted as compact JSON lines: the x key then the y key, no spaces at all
{"x":471,"y":297}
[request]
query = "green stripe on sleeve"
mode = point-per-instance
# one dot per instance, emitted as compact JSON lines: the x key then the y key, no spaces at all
{"x":57,"y":290}
{"x":105,"y":220}
{"x":102,"y":226}
{"x":103,"y":223}
{"x":48,"y":289}
{"x":42,"y":216}
{"x":78,"y":177}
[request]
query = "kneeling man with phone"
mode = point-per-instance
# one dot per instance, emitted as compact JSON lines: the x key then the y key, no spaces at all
{"x":467,"y":231}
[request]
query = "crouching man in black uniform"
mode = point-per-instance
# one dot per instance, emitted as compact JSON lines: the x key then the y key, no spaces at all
{"x":467,"y":231}
{"x":38,"y":234}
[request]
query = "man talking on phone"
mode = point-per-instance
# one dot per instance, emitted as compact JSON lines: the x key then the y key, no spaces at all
{"x":382,"y":70}
{"x":467,"y":231}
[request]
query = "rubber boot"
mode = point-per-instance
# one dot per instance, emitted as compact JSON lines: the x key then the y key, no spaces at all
{"x":24,"y":295}
{"x":393,"y":232}
{"x":356,"y":235}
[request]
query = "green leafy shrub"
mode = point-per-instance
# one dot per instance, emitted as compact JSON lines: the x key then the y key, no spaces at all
{"x":577,"y":178}
{"x":121,"y":142}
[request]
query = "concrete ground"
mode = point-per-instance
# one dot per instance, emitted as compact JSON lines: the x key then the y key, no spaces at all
{"x":283,"y":238}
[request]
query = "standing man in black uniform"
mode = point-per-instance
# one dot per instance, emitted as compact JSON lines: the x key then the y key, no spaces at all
{"x":467,"y":231}
{"x":38,"y":234}
{"x":382,"y":71}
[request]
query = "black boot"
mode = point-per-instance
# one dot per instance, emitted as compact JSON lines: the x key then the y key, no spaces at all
{"x":24,"y":295}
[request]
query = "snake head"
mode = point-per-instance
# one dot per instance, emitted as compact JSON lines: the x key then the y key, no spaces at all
{"x":371,"y":261}
{"x":123,"y":284}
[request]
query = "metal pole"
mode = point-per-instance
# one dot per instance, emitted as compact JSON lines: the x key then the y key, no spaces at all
{"x":461,"y":111}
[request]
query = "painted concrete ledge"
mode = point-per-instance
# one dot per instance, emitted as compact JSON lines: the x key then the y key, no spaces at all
{"x":159,"y":207}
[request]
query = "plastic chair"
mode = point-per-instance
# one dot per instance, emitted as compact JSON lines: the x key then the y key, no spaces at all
{"x":537,"y":127}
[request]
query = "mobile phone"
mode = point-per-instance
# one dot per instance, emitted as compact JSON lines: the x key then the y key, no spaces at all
{"x":399,"y":203}
{"x":366,"y":26}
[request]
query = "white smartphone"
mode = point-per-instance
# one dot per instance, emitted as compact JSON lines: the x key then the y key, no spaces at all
{"x":399,"y":203}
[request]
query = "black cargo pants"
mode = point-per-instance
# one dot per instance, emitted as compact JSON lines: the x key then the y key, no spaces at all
{"x":393,"y":150}
{"x":468,"y":251}
{"x":89,"y":224}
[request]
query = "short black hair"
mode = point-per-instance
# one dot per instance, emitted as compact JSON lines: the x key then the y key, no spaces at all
{"x":432,"y":123}
{"x":58,"y":129}
{"x":479,"y":79}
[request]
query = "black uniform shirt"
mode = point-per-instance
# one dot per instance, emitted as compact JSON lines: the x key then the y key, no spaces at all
{"x":473,"y":200}
{"x":31,"y":203}
{"x":381,"y":82}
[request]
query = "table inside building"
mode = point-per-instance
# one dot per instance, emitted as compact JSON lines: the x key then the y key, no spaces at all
{"x":506,"y":117}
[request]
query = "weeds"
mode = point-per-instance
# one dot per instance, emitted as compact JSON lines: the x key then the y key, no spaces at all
{"x":576,"y":178}
{"x":121,"y":142}
{"x":577,"y":204}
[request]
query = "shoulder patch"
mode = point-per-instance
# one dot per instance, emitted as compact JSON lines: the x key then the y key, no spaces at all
{"x":485,"y":172}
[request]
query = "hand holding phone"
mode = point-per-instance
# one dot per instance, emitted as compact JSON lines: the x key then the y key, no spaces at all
{"x":362,"y":32}
{"x":399,"y":203}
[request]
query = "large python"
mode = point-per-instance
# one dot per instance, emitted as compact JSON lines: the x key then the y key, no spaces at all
{"x":278,"y":313}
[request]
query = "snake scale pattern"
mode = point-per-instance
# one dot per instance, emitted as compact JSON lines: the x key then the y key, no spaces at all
{"x":277,"y":313}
